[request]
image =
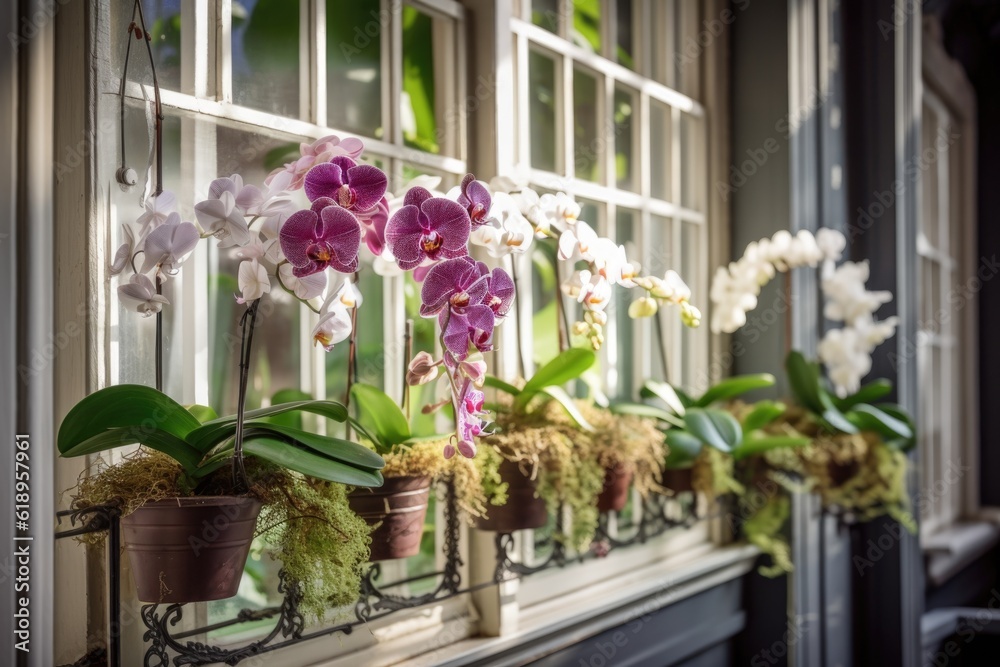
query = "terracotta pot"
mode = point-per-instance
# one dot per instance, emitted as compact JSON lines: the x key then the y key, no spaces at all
{"x":398,"y":508}
{"x":614,"y":496}
{"x":190,"y":549}
{"x":678,"y":480}
{"x":523,"y":509}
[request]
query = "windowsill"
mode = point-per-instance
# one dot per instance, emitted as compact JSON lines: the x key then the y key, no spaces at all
{"x":954,"y":547}
{"x":561,"y":622}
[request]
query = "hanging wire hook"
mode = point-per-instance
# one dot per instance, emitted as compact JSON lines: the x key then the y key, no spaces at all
{"x":126,"y":176}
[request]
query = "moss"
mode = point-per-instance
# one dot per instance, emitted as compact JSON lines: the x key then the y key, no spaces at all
{"x":307,"y":523}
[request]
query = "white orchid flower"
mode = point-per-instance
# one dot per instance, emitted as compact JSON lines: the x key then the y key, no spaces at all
{"x":158,"y":209}
{"x":506,"y":230}
{"x":334,"y":326}
{"x":253,"y":281}
{"x":140,"y":294}
{"x":578,"y":242}
{"x":169,"y":245}
{"x":127,"y":250}
{"x":223,"y":219}
{"x":306,"y":288}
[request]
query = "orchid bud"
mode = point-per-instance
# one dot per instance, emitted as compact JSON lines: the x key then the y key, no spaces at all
{"x":642,"y":307}
{"x":422,"y":369}
{"x":690,"y":315}
{"x":449,"y":450}
{"x":465,"y":448}
{"x":474,"y":368}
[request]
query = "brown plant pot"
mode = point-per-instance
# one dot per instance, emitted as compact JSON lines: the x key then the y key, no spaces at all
{"x":523,"y":509}
{"x":614,"y":496}
{"x":678,"y":480}
{"x":398,"y":508}
{"x":190,"y":549}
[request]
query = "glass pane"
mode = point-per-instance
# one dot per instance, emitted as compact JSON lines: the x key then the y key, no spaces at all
{"x":542,"y":104}
{"x":624,"y":151}
{"x":626,"y":234}
{"x":353,"y":66}
{"x":163,"y":21}
{"x":427,"y":61}
{"x":660,"y":152}
{"x":587,"y":24}
{"x":545,"y":13}
{"x":694,"y":174}
{"x":586,"y":146}
{"x":626,"y":43}
{"x":275,"y":366}
{"x":660,"y":259}
{"x":930,"y":209}
{"x":266,"y":55}
{"x":688,"y":269}
{"x":133,"y":340}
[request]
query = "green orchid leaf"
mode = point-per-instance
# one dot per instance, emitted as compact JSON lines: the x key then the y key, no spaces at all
{"x":211,"y":433}
{"x":758,"y":444}
{"x":683,"y":447}
{"x":716,"y":428}
{"x":832,"y":415}
{"x":566,"y":401}
{"x":664,"y":392}
{"x":869,"y":393}
{"x":124,"y":406}
{"x":569,"y":365}
{"x":648,"y":411}
{"x":293,"y":419}
{"x":494,"y":382}
{"x":203,"y":413}
{"x":733,"y":387}
{"x":380,"y":416}
{"x":309,"y":462}
{"x":897,"y":411}
{"x":342,"y":450}
{"x":153,"y":438}
{"x":869,"y":418}
{"x":804,"y":378}
{"x":763,"y":413}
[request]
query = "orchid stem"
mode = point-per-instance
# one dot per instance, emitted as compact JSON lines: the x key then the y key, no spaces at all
{"x":663,"y":346}
{"x":352,"y":362}
{"x":562,"y":319}
{"x":517,"y":317}
{"x":408,"y":354}
{"x":240,"y":482}
{"x":159,"y":338}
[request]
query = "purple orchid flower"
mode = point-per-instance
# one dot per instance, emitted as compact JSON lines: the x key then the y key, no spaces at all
{"x":374,"y":222}
{"x":500,"y":293}
{"x":321,"y":237}
{"x":454,"y":283}
{"x":473,"y":325}
{"x":476,"y":200}
{"x":427,"y":228}
{"x":356,"y":187}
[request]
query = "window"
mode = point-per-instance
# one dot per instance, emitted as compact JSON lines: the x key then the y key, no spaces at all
{"x":944,"y":429}
{"x":604,"y":109}
{"x":600,"y":115}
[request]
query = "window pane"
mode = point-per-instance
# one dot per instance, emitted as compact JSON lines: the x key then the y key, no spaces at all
{"x":660,"y":259}
{"x":626,"y":44}
{"x":691,"y":339}
{"x":275,"y":366}
{"x":586,"y":147}
{"x":545,"y":13}
{"x":660,"y":151}
{"x":542,"y":104}
{"x":266,"y":55}
{"x":626,"y":234}
{"x":133,"y":340}
{"x":930,"y":211}
{"x":587,"y":24}
{"x":694,"y":174}
{"x":163,"y":21}
{"x":428,"y":80}
{"x":624,"y":151}
{"x":353,"y":65}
